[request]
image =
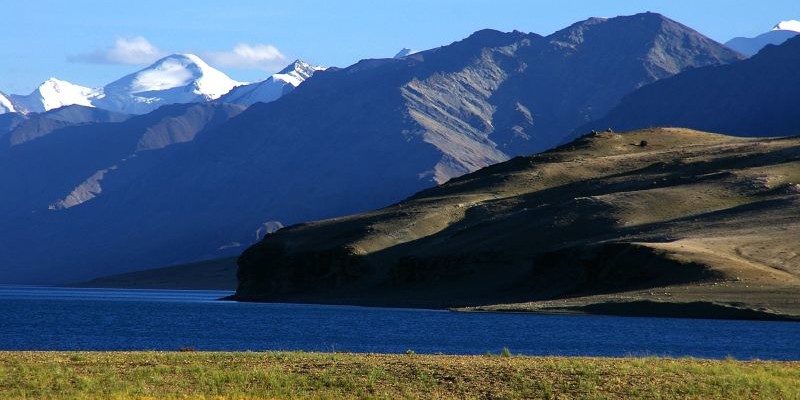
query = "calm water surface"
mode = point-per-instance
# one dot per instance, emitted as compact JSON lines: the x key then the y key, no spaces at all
{"x":35,"y":318}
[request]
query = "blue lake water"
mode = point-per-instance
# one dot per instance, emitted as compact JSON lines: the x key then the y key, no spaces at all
{"x":34,"y":318}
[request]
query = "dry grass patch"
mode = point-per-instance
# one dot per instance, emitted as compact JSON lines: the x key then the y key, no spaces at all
{"x":157,"y":375}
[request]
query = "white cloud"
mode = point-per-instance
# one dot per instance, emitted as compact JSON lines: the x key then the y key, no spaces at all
{"x":139,"y":51}
{"x":243,"y":55}
{"x":135,"y":51}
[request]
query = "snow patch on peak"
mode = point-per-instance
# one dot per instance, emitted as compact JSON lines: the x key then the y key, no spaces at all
{"x":789,"y":25}
{"x":404,"y":52}
{"x":302,"y":67}
{"x":6,"y":106}
{"x":296,"y":72}
{"x":180,"y":70}
{"x":273,"y":87}
{"x":54,"y":93}
{"x":177,"y":78}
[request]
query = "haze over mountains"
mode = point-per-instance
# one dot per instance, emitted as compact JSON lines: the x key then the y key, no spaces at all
{"x":782,"y":31}
{"x":17,"y":128}
{"x":188,"y":182}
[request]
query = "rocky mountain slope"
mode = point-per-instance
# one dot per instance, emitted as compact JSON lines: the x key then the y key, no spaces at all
{"x":345,"y":141}
{"x":757,"y":96}
{"x":660,"y":221}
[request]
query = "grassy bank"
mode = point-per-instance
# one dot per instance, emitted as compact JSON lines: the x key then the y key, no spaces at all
{"x":66,"y":375}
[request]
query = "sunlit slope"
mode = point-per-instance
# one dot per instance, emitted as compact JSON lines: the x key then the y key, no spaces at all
{"x":706,"y":221}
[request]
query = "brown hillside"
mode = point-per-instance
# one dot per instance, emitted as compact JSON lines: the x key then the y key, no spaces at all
{"x":690,"y":224}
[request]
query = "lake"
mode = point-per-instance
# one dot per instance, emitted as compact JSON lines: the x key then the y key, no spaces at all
{"x":39,"y":318}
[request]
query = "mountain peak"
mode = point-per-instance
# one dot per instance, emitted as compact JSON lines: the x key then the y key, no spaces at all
{"x":54,"y":93}
{"x":176,"y":78}
{"x":647,"y":17}
{"x":649,"y":31}
{"x":298,"y":66}
{"x":493,"y":38}
{"x":53,"y":80}
{"x":179,"y":70}
{"x":60,"y":85}
{"x":183,"y":58}
{"x":298,"y":63}
{"x":296,"y":72}
{"x":789,"y":25}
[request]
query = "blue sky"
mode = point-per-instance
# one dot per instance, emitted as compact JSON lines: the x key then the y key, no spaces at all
{"x":94,"y":42}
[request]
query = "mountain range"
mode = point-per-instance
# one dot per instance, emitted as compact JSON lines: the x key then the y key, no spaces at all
{"x":185,"y":78}
{"x":189,"y":182}
{"x":175,"y":79}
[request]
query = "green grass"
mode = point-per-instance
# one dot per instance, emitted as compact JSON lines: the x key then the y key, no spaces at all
{"x":181,"y":375}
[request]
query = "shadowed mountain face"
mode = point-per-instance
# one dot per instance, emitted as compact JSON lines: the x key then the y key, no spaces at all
{"x":16,"y":128}
{"x":496,"y":95}
{"x":758,"y":96}
{"x":40,"y":207}
{"x":576,"y":75}
{"x":78,"y":158}
{"x":9,"y":121}
{"x":344,"y":141}
{"x":673,"y":216}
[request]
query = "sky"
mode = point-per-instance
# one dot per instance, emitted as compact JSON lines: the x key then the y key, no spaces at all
{"x":93,"y":42}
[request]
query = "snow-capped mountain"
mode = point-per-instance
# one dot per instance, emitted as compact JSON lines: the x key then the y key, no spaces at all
{"x":781,"y":32}
{"x":51,"y":94}
{"x":178,"y":78}
{"x":273,"y":87}
{"x":5,"y":104}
